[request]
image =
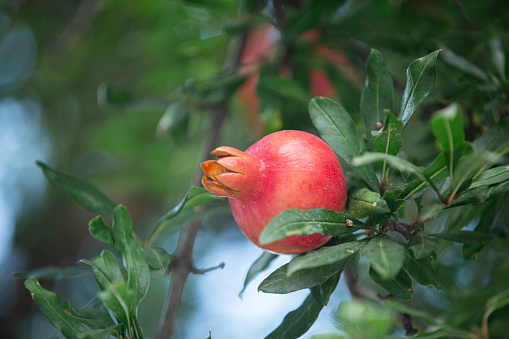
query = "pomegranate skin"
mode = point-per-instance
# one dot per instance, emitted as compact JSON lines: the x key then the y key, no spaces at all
{"x":285,"y":169}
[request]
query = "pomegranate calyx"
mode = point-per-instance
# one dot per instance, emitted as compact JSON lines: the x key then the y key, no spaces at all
{"x":232,"y":175}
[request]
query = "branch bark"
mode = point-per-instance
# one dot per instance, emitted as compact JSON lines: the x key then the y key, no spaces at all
{"x":182,"y":262}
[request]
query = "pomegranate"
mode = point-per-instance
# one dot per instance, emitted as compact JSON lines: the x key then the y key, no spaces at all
{"x":285,"y":169}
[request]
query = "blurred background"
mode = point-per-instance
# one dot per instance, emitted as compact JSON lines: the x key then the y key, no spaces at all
{"x":119,"y":93}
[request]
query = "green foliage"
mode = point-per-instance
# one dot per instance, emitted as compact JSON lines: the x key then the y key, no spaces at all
{"x":426,"y":217}
{"x":122,"y":288}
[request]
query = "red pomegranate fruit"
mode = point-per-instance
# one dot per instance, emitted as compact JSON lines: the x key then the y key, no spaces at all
{"x":283,"y":170}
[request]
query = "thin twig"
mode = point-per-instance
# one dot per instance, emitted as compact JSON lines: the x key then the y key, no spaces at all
{"x":462,"y":11}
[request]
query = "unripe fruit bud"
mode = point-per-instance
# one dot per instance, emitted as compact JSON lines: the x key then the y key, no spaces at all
{"x":285,"y":169}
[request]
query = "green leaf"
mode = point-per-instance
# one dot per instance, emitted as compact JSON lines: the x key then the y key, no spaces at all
{"x":466,"y":237}
{"x":497,"y":190}
{"x":324,"y":256}
{"x":399,"y":285}
{"x":94,"y":317}
{"x":491,"y":177}
{"x":110,"y":96}
{"x":138,"y":275}
{"x":337,"y":128}
{"x":297,"y":322}
{"x":385,"y":255}
{"x":102,"y":334}
{"x":396,"y":305}
{"x":363,"y":202}
{"x":398,"y":163}
{"x":106,"y":269}
{"x":422,"y":245}
{"x":390,"y":139}
{"x":448,"y":129}
{"x":378,"y":92}
{"x":280,"y":282}
{"x":323,"y":291}
{"x":430,"y":212}
{"x":309,"y":221}
{"x":436,"y":171}
{"x":195,"y":196}
{"x":157,"y":258}
{"x":50,"y":306}
{"x":463,"y":64}
{"x":364,"y":319}
{"x":496,"y":302}
{"x":120,"y":301}
{"x":467,"y":167}
{"x":495,"y":138}
{"x":421,"y":270}
{"x":99,"y":230}
{"x":421,"y":76}
{"x":283,"y":87}
{"x":87,"y":195}
{"x":54,"y":272}
{"x":258,"y":266}
{"x":172,"y":118}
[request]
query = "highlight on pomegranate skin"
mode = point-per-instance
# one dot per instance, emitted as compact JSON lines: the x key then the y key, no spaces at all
{"x":283,"y":170}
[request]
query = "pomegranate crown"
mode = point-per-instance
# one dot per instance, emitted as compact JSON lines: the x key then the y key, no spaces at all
{"x":232,"y":175}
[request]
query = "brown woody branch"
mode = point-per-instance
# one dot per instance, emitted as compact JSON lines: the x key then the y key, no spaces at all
{"x":182,"y":262}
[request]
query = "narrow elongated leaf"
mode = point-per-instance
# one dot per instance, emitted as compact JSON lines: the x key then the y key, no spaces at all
{"x":54,"y":272}
{"x":495,"y":303}
{"x":463,"y":64}
{"x":337,"y":128}
{"x":195,"y":196}
{"x":421,"y":270}
{"x":466,"y":237}
{"x":310,"y":221}
{"x":50,"y":306}
{"x":491,"y":177}
{"x":157,"y":258}
{"x":283,"y":87}
{"x":87,"y":195}
{"x":99,"y":230}
{"x":448,"y":129}
{"x":297,"y":322}
{"x":106,"y":269}
{"x":120,"y":301}
{"x":385,"y":255}
{"x":258,"y":266}
{"x":279,"y":282}
{"x":323,"y":291}
{"x":421,"y":76}
{"x":397,"y":163}
{"x":102,"y":334}
{"x":94,"y":317}
{"x":378,"y":92}
{"x":468,"y":166}
{"x":436,"y":172}
{"x":324,"y":256}
{"x":400,"y":285}
{"x":395,"y":305}
{"x":497,"y":190}
{"x":430,"y":212}
{"x":495,"y":138}
{"x":138,"y":275}
{"x":422,"y":245}
{"x":363,"y":202}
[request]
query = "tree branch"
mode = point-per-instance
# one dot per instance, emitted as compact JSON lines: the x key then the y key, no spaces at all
{"x":182,"y":262}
